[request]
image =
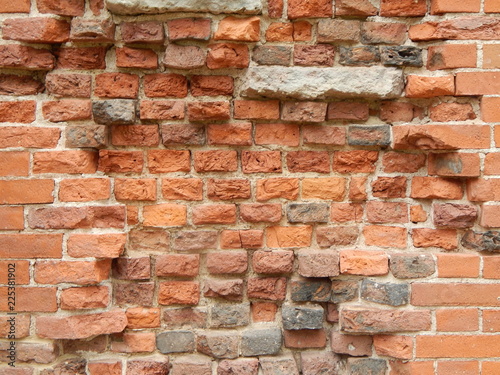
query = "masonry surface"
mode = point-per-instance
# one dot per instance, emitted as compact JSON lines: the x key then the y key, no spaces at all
{"x":250,"y":187}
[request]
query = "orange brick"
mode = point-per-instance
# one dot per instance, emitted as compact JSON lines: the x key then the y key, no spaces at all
{"x":458,"y":265}
{"x":20,"y":270}
{"x":30,"y":245}
{"x":141,"y":317}
{"x":214,"y":214}
{"x":395,"y":346}
{"x":70,"y":162}
{"x":457,"y":320}
{"x":14,"y":163}
{"x":412,"y":368}
{"x":385,"y":236}
{"x":454,"y":294}
{"x":454,"y":165}
{"x":135,"y":135}
{"x":189,"y":189}
{"x":458,"y":346}
{"x":491,"y":267}
{"x":26,"y":191}
{"x":30,"y":299}
{"x":357,"y":188}
{"x":490,"y":109}
{"x":497,"y":135}
{"x":257,"y":109}
{"x":165,"y":215}
{"x":84,"y":189}
{"x":491,"y":56}
{"x":179,"y":292}
{"x":368,"y":263}
{"x":478,"y":83}
{"x":11,"y":218}
{"x":27,"y":136}
{"x":436,"y":188}
{"x":90,"y":297}
{"x":490,"y":216}
{"x":21,"y":111}
{"x":216,"y":161}
{"x":67,"y":110}
{"x":79,"y":272}
{"x":491,"y":6}
{"x":277,"y":134}
{"x":286,"y":188}
{"x":452,"y":6}
{"x":491,"y":321}
{"x":230,"y":134}
{"x":109,"y":245}
{"x":443,"y":238}
{"x":344,"y":212}
{"x":136,"y":58}
{"x":264,"y":311}
{"x":483,"y":190}
{"x":21,"y":6}
{"x":140,"y":189}
{"x":491,"y":368}
{"x":452,"y":56}
{"x":428,"y":87}
{"x":289,"y":236}
{"x":165,"y":161}
{"x":458,"y":368}
{"x":330,"y":188}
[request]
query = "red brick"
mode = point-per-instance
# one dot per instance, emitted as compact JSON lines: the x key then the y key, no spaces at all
{"x":383,"y":33}
{"x":116,"y":85}
{"x":26,"y":191}
{"x":412,"y":368}
{"x":303,"y":111}
{"x":400,"y":162}
{"x":134,"y":342}
{"x":81,"y":326}
{"x":32,"y":299}
{"x":264,"y":311}
{"x":165,"y":161}
{"x":452,"y":56}
{"x":445,"y":112}
{"x":385,"y":236}
{"x":211,"y":85}
{"x":353,"y":345}
{"x":403,"y":8}
{"x":208,"y":111}
{"x":428,"y":87}
{"x":184,"y":57}
{"x":386,"y":212}
{"x":458,"y":346}
{"x":214,"y":214}
{"x":66,"y":110}
{"x":323,"y":263}
{"x":179,"y":293}
{"x":491,"y":267}
{"x":241,"y":239}
{"x":127,"y":57}
{"x":491,"y":6}
{"x":287,"y":188}
{"x":323,"y":135}
{"x":238,"y":29}
{"x":280,"y":32}
{"x":360,"y":8}
{"x":91,"y":297}
{"x":14,"y":163}
{"x":71,"y":162}
{"x":393,"y":346}
{"x":22,"y":330}
{"x":308,"y":161}
{"x":257,"y":109}
{"x":135,"y":189}
{"x":166,"y":214}
{"x":72,"y":85}
{"x":270,"y":262}
{"x":344,"y":212}
{"x":141,"y":317}
{"x":62,"y":7}
{"x":21,"y":6}
{"x":11,"y":84}
{"x":277,"y":134}
{"x":370,"y":263}
{"x":389,"y":187}
{"x":358,"y":161}
{"x":21,"y":111}
{"x":454,"y":294}
{"x":454,"y":165}
{"x":96,"y":245}
{"x":440,"y":137}
{"x":492,"y":164}
{"x":216,"y":161}
{"x":77,"y":217}
{"x":230,"y":134}
{"x":268,"y":288}
{"x":490,"y":216}
{"x":228,"y":189}
{"x":227,"y":262}
{"x":19,"y":268}
{"x":189,"y":28}
{"x":491,"y":56}
{"x":161,"y":110}
{"x":30,"y":245}
{"x":178,"y":265}
{"x":165,"y":85}
{"x":378,"y":321}
{"x":305,"y":338}
{"x":135,"y":135}
{"x":17,"y":56}
{"x":457,"y":367}
{"x":330,"y":188}
{"x":398,"y":111}
{"x":457,"y":320}
{"x":418,"y":214}
{"x":435,"y":188}
{"x":489,"y":109}
{"x":357,"y":189}
{"x":275,"y":8}
{"x":314,"y":55}
{"x":107,"y":368}
{"x":142,"y":32}
{"x":115,"y":161}
{"x":315,"y":8}
{"x":90,"y":30}
{"x":81,"y":58}
{"x":349,"y":111}
{"x":36,"y":30}
{"x":297,"y":236}
{"x":477,"y":83}
{"x":450,"y":6}
{"x":190,"y":189}
{"x":490,"y":368}
{"x":256,"y":212}
{"x":78,"y":272}
{"x":261,"y":161}
{"x":458,"y":265}
{"x":443,"y":238}
{"x":11,"y":218}
{"x":227,"y":55}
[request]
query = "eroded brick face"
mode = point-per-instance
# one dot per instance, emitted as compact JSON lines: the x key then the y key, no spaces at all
{"x":236,"y":187}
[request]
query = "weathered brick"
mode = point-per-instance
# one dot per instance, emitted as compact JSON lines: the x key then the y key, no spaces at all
{"x":454,"y":215}
{"x":338,"y":30}
{"x":62,"y":7}
{"x":443,"y":238}
{"x":142,"y":32}
{"x":323,"y":263}
{"x":273,"y":365}
{"x":385,"y":293}
{"x":293,"y":236}
{"x":272,"y":55}
{"x":218,"y":345}
{"x":261,"y":342}
{"x":318,"y":290}
{"x":354,"y":161}
{"x":336,"y":236}
{"x":178,"y":265}
{"x":81,"y":58}
{"x":383,"y":33}
{"x":238,"y":29}
{"x":90,"y":30}
{"x":353,"y":345}
{"x":132,"y":268}
{"x":189,"y":28}
{"x":127,"y":57}
{"x":90,"y":297}
{"x":176,"y":342}
{"x":269,"y":288}
{"x":162,"y":110}
{"x":215,"y":161}
{"x":277,"y":134}
{"x":315,"y":55}
{"x":211,"y":85}
{"x":154,"y":366}
{"x":229,"y":315}
{"x":410,"y":266}
{"x":435,"y":188}
{"x":233,"y":262}
{"x":184,"y":57}
{"x":359,"y":262}
{"x":323,"y":135}
{"x":359,"y":56}
{"x":356,"y":320}
{"x":359,"y":8}
{"x":314,"y":362}
{"x":179,"y":292}
{"x":404,"y":8}
{"x":228,"y":55}
{"x":36,"y":30}
{"x":231,"y":290}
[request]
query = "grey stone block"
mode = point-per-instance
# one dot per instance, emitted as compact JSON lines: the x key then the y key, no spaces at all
{"x":229,"y":315}
{"x":302,"y":317}
{"x":114,"y":112}
{"x":175,"y":342}
{"x":385,"y":293}
{"x":257,"y":342}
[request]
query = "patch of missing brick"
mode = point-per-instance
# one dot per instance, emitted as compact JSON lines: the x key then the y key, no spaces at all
{"x":135,"y":7}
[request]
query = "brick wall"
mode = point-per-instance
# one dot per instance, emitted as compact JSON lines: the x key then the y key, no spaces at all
{"x":250,"y":187}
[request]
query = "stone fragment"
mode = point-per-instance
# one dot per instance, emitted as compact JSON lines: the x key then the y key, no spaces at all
{"x":401,"y":56}
{"x":302,"y":317}
{"x":410,"y":266}
{"x":278,"y":365}
{"x":308,"y":212}
{"x":90,"y":30}
{"x":307,"y":83}
{"x":229,"y":315}
{"x":175,"y":342}
{"x":114,"y":112}
{"x":385,"y":293}
{"x":218,"y":344}
{"x":137,"y":7}
{"x":257,"y":342}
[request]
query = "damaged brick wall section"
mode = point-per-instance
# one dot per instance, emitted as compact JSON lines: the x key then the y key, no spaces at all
{"x":250,"y":187}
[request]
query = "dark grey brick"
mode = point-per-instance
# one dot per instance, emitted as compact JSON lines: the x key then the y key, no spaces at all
{"x":401,"y":56}
{"x":385,"y":293}
{"x":344,"y":290}
{"x":229,"y":315}
{"x":412,"y":266}
{"x":302,"y":317}
{"x":311,"y":290}
{"x":257,"y":342}
{"x":175,"y":342}
{"x":308,"y":212}
{"x":378,"y":135}
{"x":114,"y":112}
{"x":272,"y":55}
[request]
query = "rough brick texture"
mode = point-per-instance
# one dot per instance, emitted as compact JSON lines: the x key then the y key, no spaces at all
{"x":250,"y":186}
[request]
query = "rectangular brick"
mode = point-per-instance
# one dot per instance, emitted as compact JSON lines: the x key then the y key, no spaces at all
{"x":478,"y":83}
{"x":14,"y":163}
{"x":20,"y":271}
{"x":457,"y":320}
{"x":11,"y":218}
{"x":458,"y":346}
{"x":26,"y":191}
{"x":454,"y":294}
{"x":30,"y":299}
{"x":31,"y":245}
